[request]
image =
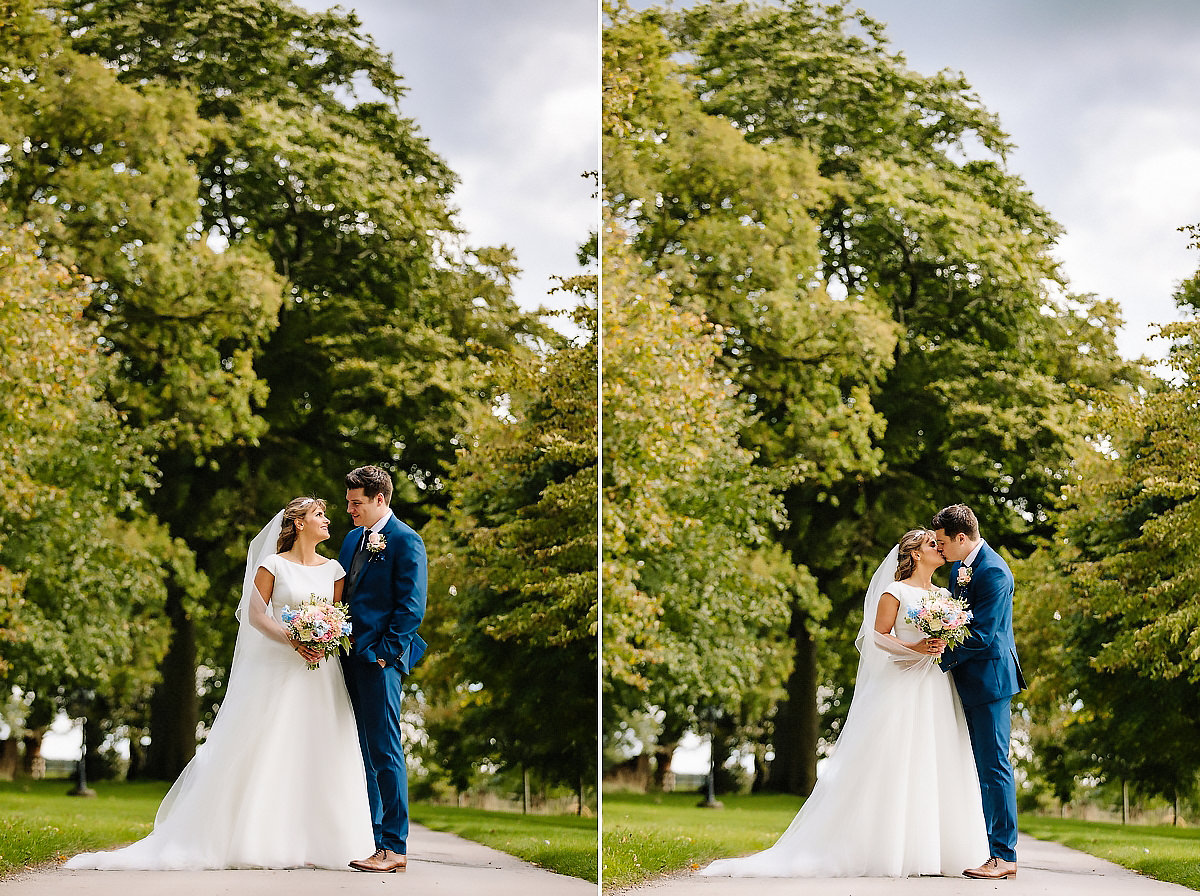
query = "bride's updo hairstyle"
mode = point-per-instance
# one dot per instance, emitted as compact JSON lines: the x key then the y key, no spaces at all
{"x":910,"y":542}
{"x":296,"y":510}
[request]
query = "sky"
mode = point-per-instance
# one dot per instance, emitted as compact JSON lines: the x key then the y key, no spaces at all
{"x":1099,"y":98}
{"x":508,"y":94}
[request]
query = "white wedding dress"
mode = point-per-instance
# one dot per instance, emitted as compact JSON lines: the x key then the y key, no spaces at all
{"x":899,"y":796}
{"x":279,"y":782}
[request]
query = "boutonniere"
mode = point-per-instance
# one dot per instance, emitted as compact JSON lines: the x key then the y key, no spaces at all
{"x":964,"y":576}
{"x":375,"y":545}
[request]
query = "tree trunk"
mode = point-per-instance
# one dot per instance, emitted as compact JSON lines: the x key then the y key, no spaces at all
{"x":1124,"y":801}
{"x":797,"y":725}
{"x":94,"y":738}
{"x":524,"y":790}
{"x":174,"y":708}
{"x":761,"y":768}
{"x":137,"y":757}
{"x":664,"y":778}
{"x":726,"y":780}
{"x":32,"y":763}
{"x":9,"y":758}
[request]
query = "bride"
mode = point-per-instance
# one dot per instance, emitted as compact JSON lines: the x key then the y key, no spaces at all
{"x":279,"y":783}
{"x":899,"y":796}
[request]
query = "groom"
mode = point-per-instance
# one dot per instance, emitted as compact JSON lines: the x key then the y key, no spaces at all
{"x":986,"y":674}
{"x":385,"y":590}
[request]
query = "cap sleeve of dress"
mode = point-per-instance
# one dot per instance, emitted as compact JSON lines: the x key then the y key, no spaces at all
{"x":271,"y":564}
{"x":892,"y":591}
{"x":338,"y":570}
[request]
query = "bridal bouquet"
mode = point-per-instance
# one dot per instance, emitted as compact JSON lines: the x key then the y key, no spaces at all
{"x":318,"y":623}
{"x":938,"y":615}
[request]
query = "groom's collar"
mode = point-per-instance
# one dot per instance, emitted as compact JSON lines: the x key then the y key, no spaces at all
{"x":380,"y":524}
{"x":970,"y":558}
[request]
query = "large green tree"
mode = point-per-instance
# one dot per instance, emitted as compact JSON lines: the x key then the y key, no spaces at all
{"x":278,"y":267}
{"x":697,"y":595}
{"x":81,"y":565}
{"x":946,"y":369}
{"x":1126,"y":612}
{"x":514,"y":572}
{"x":103,"y":171}
{"x":726,"y":223}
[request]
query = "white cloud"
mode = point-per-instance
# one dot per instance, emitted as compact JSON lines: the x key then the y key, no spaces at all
{"x":1099,"y":100}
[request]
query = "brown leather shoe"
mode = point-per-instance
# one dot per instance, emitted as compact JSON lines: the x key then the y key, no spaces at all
{"x":993,"y":869}
{"x":383,"y":861}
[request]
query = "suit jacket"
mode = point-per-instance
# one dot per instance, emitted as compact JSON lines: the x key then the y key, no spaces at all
{"x":387,"y":599}
{"x":985,"y":666}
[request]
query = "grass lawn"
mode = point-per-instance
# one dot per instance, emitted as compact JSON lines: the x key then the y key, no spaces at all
{"x":1158,"y":851}
{"x":646,"y":835}
{"x":562,"y":843}
{"x":650,"y":834}
{"x":39,"y":823}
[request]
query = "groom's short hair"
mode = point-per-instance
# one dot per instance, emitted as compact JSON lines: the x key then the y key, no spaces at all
{"x":372,"y":480}
{"x":957,"y":519}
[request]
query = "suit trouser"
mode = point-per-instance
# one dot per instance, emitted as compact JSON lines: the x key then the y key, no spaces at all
{"x":990,"y":725}
{"x":376,"y":696}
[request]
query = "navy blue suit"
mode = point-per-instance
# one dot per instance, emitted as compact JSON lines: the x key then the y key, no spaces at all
{"x":987,"y":674}
{"x":387,"y":604}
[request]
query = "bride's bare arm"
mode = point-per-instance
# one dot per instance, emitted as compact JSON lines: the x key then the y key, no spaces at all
{"x":885,"y":621}
{"x":264,"y":586}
